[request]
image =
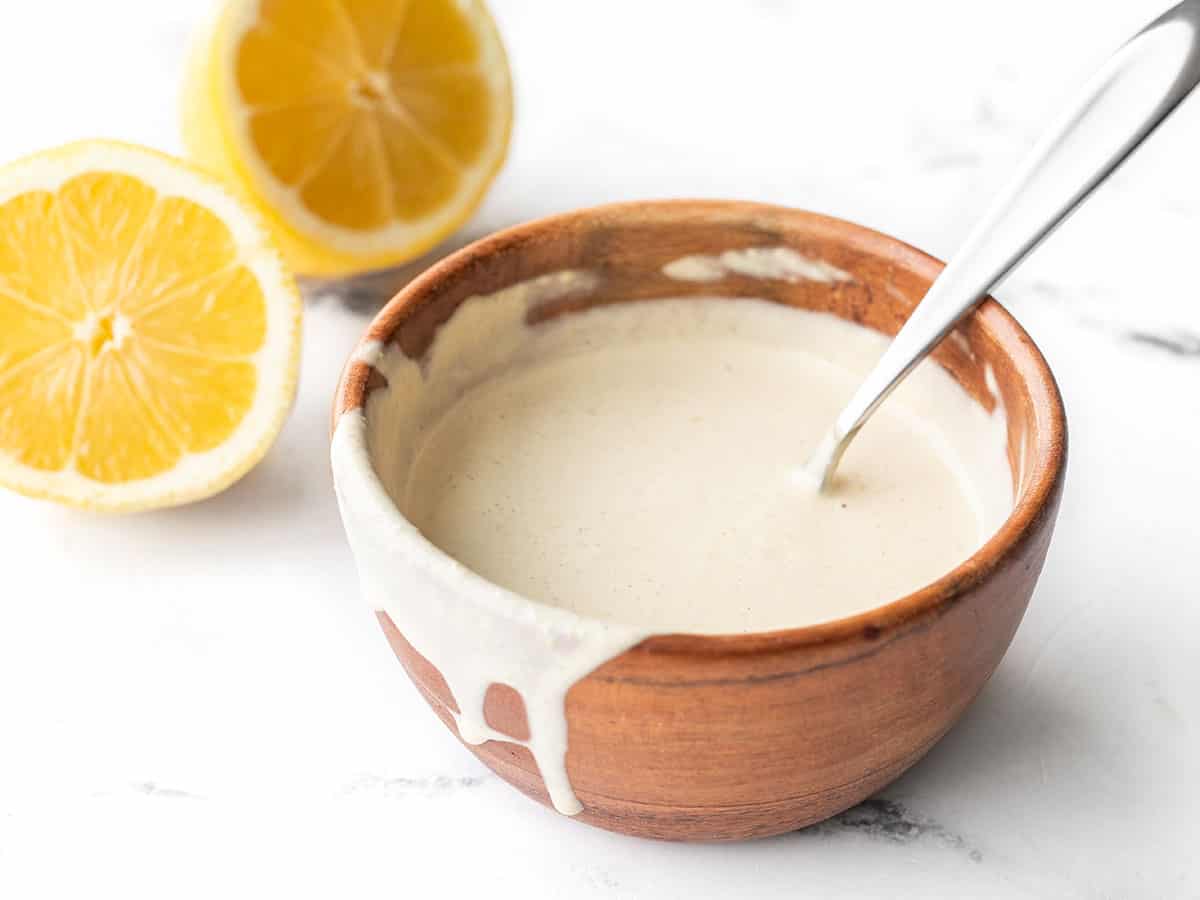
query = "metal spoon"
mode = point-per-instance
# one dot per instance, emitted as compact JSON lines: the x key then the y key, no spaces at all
{"x":1119,"y":108}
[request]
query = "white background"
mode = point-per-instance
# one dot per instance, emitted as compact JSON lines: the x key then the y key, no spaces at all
{"x":194,"y":703}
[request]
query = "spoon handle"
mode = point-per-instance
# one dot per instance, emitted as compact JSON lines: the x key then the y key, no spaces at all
{"x":1118,"y":109}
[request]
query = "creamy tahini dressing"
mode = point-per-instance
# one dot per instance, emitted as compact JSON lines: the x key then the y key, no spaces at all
{"x":780,"y":263}
{"x":635,"y":469}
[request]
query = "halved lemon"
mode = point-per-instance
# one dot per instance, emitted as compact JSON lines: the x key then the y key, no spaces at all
{"x":149,"y":332}
{"x":367,"y":130}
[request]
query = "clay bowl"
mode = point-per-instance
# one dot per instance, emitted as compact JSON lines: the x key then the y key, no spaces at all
{"x":725,"y":737}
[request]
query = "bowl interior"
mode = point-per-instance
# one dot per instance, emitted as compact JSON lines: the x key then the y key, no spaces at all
{"x":633,"y":252}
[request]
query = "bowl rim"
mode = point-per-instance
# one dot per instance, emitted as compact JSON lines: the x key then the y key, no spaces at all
{"x":1044,"y":468}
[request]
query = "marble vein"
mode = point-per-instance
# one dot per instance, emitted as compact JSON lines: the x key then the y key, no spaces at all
{"x":889,"y":820}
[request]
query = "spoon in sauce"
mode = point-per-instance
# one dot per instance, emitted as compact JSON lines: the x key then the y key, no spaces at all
{"x":1118,"y":109}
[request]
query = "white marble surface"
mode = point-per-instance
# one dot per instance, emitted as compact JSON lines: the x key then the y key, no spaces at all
{"x":195,"y":704}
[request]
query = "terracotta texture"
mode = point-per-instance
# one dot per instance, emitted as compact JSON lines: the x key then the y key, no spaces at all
{"x":726,"y":737}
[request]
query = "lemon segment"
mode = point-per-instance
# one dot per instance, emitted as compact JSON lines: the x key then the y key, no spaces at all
{"x":367,"y":130}
{"x":149,"y":333}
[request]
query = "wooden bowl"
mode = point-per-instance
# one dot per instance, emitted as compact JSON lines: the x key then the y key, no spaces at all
{"x":725,"y":737}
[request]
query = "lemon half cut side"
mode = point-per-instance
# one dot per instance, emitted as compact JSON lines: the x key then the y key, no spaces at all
{"x":149,"y":331}
{"x":366,"y":130}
